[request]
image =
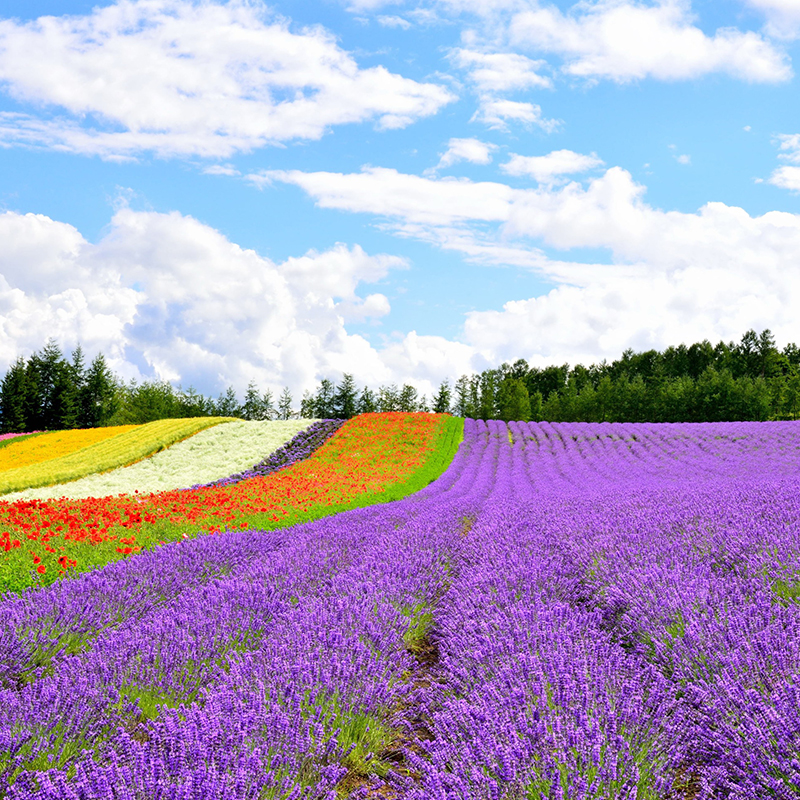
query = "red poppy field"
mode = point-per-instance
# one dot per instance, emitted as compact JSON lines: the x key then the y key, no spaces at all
{"x":373,"y":458}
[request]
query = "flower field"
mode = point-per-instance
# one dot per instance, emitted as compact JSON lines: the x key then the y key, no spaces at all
{"x":373,"y":458}
{"x":210,"y":455}
{"x":36,"y":449}
{"x":60,"y":456}
{"x":569,"y":611}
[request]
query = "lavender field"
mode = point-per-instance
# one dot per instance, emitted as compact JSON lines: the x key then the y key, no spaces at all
{"x":571,"y":611}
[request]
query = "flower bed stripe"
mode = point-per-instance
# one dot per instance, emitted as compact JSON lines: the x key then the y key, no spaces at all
{"x":53,"y":444}
{"x":127,"y":445}
{"x":206,"y":456}
{"x":373,"y":458}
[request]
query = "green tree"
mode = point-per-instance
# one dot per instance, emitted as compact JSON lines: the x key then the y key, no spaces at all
{"x":99,"y":399}
{"x":388,"y":398}
{"x":408,"y":399}
{"x":367,"y":402}
{"x":227,"y":404}
{"x":285,"y":404}
{"x":324,"y":402}
{"x":308,"y":406}
{"x":442,"y":399}
{"x":345,"y":401}
{"x":13,"y":399}
{"x":46,"y":383}
{"x":257,"y":406}
{"x":515,"y":402}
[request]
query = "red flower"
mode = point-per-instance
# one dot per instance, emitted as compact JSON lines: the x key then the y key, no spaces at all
{"x":41,"y":569}
{"x":36,"y":560}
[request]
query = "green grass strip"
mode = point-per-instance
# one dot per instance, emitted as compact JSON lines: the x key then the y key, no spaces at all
{"x":118,"y":451}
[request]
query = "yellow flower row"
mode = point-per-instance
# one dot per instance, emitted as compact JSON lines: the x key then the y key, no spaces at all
{"x":131,"y":443}
{"x":47,"y":446}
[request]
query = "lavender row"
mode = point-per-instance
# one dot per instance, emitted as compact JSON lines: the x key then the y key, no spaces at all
{"x":612,"y":607}
{"x":298,"y":448}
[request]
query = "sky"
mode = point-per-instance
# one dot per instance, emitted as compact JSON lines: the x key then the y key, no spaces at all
{"x":214,"y":193}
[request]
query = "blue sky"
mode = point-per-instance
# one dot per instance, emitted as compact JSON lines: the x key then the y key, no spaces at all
{"x":214,"y":193}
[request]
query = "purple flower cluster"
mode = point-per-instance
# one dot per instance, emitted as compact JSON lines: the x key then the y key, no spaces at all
{"x":570,"y":611}
{"x":298,"y":448}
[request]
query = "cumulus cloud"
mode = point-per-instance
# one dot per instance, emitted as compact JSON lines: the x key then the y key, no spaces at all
{"x":672,"y":276}
{"x":552,"y":167}
{"x":623,"y":41}
{"x":782,"y":17}
{"x":501,"y":72}
{"x":165,"y":295}
{"x":148,"y":75}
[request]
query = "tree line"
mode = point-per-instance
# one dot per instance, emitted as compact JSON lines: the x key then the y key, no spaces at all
{"x":748,"y":380}
{"x":49,"y":391}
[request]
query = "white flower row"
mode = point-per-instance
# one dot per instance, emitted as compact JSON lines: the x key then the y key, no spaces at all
{"x":207,"y":456}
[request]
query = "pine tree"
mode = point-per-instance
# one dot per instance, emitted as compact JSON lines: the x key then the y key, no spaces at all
{"x":441,"y":401}
{"x":256,"y":406}
{"x":408,"y":399}
{"x":324,"y":400}
{"x":367,"y":403}
{"x":308,"y":406}
{"x":13,"y":396}
{"x":99,"y":399}
{"x":388,"y":398}
{"x":345,"y":399}
{"x":227,"y":405}
{"x":44,"y":370}
{"x":285,"y":404}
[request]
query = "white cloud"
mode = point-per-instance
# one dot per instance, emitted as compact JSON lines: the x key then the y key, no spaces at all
{"x":387,"y":192}
{"x":789,"y":146}
{"x":501,"y":72}
{"x":683,"y":159}
{"x":147,"y":75}
{"x":472,"y":150}
{"x":787,"y":177}
{"x":783,"y":17}
{"x":673,"y":276}
{"x":221,"y":169}
{"x":496,"y":114}
{"x":393,"y":22}
{"x":550,"y":168}
{"x":175,"y":296}
{"x":624,"y":41}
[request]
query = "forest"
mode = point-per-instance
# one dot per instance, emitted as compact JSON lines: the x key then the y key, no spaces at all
{"x":749,"y":380}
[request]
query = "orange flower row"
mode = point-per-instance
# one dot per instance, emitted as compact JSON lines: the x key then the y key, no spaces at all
{"x":368,"y":454}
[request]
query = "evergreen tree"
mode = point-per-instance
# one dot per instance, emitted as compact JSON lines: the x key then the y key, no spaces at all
{"x":308,"y":406}
{"x":227,"y":405}
{"x":285,"y":404}
{"x":367,"y":402}
{"x":257,"y":406}
{"x":388,"y":398}
{"x":466,"y":402}
{"x":408,"y":399}
{"x":46,"y":383}
{"x":193,"y":404}
{"x":13,"y":399}
{"x":99,"y":400}
{"x":65,"y":402}
{"x":345,"y":400}
{"x":441,"y":401}
{"x":324,"y":402}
